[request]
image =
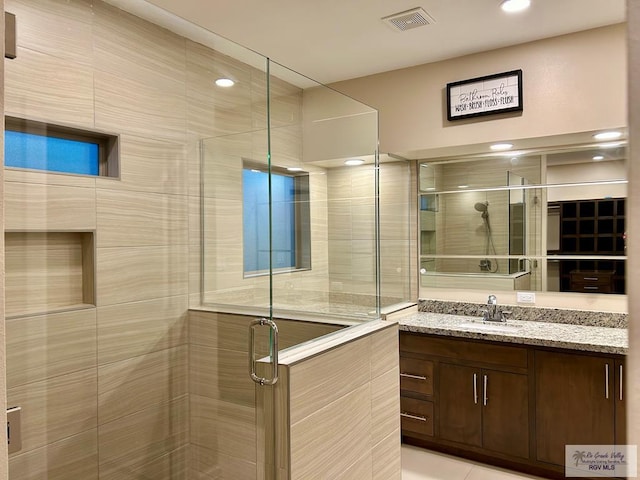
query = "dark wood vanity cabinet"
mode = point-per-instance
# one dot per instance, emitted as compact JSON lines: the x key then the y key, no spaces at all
{"x":485,"y":408}
{"x":478,"y":392}
{"x":579,"y":401}
{"x":513,"y":405}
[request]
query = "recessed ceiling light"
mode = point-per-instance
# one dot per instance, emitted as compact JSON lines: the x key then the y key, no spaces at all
{"x":294,"y":169}
{"x":225,"y":82}
{"x":598,"y":157}
{"x":496,"y":147}
{"x":352,"y":162}
{"x":512,"y":6}
{"x":610,"y":135}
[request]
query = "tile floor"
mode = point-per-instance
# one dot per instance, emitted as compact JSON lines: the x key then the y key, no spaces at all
{"x":420,"y":464}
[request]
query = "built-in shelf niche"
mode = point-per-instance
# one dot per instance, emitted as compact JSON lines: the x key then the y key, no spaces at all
{"x":48,"y":272}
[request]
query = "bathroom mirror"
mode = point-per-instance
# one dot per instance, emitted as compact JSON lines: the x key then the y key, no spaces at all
{"x":544,"y":218}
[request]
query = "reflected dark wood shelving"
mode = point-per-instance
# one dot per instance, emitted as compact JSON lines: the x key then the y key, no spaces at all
{"x":592,"y":227}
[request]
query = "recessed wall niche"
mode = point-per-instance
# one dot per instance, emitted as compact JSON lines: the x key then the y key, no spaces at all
{"x":48,"y":271}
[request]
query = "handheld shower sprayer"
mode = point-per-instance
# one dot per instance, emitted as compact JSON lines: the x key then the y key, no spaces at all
{"x":482,"y":207}
{"x":485,"y":264}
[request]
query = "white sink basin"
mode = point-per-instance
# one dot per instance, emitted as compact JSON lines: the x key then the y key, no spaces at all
{"x":490,"y":327}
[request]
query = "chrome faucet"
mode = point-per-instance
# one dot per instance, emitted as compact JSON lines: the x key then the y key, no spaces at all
{"x":493,"y":313}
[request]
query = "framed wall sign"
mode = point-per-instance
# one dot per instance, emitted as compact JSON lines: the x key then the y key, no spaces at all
{"x":498,"y":93}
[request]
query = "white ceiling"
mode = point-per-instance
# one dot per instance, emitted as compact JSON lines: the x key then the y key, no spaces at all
{"x":331,"y":40}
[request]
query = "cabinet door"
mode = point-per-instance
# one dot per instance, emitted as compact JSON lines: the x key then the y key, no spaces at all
{"x":621,"y":413}
{"x":505,"y":413}
{"x":574,"y":403}
{"x":460,"y":418}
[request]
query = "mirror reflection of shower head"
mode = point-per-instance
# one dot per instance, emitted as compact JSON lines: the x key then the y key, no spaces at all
{"x":482,"y":207}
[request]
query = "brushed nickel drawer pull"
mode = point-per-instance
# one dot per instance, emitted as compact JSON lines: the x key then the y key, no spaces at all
{"x":416,"y":377}
{"x":606,"y":380}
{"x":413,"y":417}
{"x":591,"y":288}
{"x":620,"y":380}
{"x":485,"y":395}
{"x":475,"y":388}
{"x":594,"y":279}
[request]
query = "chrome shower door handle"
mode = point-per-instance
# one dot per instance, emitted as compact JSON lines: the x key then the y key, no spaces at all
{"x":273,"y":354}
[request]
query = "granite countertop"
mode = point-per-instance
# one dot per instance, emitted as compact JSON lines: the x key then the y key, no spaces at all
{"x":557,"y":335}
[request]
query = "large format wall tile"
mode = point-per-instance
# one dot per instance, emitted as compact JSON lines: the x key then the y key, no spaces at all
{"x":208,"y":464}
{"x":323,"y":379}
{"x":223,"y":427}
{"x":128,"y":386}
{"x":59,"y":29}
{"x":384,"y":351}
{"x":50,"y":345}
{"x":216,"y":111}
{"x":127,"y":106}
{"x":170,"y":466}
{"x":135,"y":219}
{"x":221,"y":374}
{"x":385,"y":406}
{"x":56,"y":408}
{"x":132,"y":329}
{"x":74,"y":457}
{"x":143,"y":436}
{"x":386,"y":458}
{"x":138,"y":50}
{"x":131,"y":274}
{"x":49,"y":207}
{"x":148,"y":165}
{"x":43,"y":87}
{"x":316,"y":450}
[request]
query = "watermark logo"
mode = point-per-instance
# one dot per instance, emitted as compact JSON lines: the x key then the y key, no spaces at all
{"x":601,"y":461}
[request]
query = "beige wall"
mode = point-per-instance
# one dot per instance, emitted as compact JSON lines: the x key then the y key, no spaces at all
{"x":556,"y":72}
{"x":559,"y":77}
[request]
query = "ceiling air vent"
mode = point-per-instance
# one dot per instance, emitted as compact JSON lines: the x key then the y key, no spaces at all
{"x":414,"y":18}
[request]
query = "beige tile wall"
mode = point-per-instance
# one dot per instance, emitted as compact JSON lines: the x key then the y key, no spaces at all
{"x":351,"y":224}
{"x":340,"y":423}
{"x":223,"y":407}
{"x":112,"y":378}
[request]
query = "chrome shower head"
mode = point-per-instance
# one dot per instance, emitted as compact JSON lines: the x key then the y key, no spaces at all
{"x":481,"y":206}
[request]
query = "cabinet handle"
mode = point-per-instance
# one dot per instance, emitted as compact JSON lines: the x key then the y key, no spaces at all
{"x":485,"y":396}
{"x":620,"y":380}
{"x":590,"y":288}
{"x":413,"y":417}
{"x":475,"y":388}
{"x":606,"y":380}
{"x":416,"y":377}
{"x":594,"y":279}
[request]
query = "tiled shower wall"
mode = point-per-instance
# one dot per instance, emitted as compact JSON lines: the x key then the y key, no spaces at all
{"x":104,"y":389}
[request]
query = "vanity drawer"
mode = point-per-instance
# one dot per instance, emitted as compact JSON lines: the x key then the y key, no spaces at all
{"x":416,"y":375}
{"x":595,"y":281}
{"x":416,"y":416}
{"x":467,"y":350}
